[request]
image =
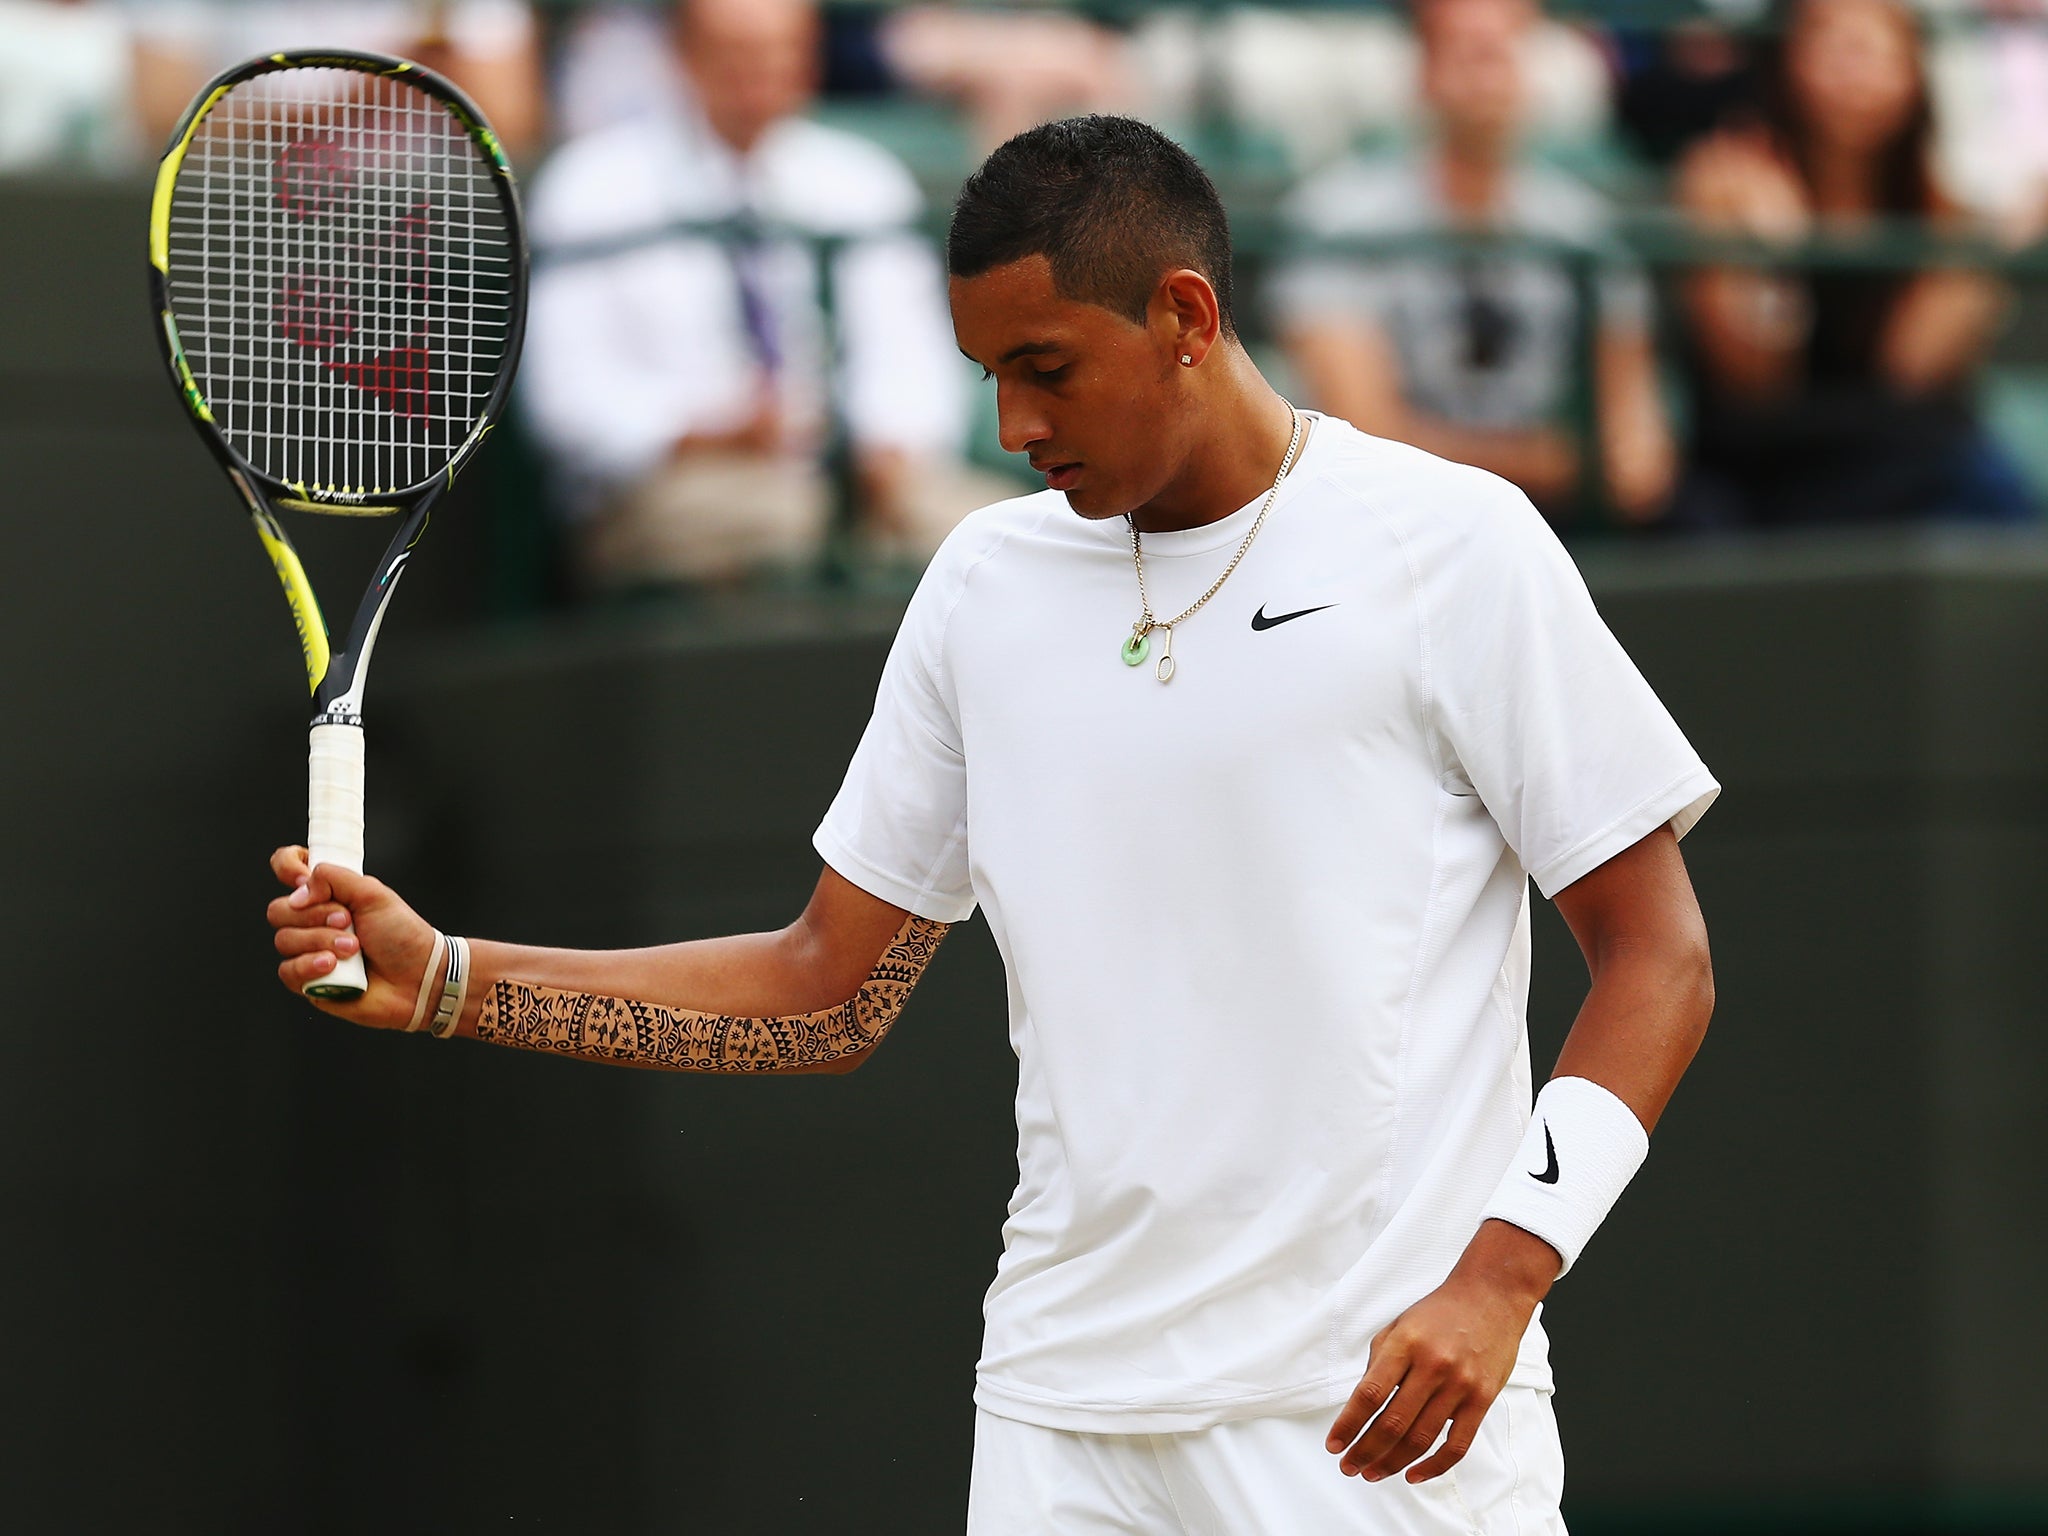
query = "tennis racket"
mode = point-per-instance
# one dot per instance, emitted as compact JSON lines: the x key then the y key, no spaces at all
{"x":338,"y":263}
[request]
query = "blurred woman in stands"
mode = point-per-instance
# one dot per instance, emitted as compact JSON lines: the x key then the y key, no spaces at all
{"x":1836,"y":395}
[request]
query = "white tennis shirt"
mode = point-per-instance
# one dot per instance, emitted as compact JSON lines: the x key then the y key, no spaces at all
{"x":1266,"y":925}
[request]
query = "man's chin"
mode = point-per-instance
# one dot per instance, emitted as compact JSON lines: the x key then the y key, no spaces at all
{"x":1088,"y":503}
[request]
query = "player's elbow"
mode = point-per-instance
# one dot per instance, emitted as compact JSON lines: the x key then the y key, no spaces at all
{"x":840,"y":1038}
{"x":1691,"y":960}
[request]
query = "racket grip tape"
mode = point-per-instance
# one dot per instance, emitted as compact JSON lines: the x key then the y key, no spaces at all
{"x":334,"y":835}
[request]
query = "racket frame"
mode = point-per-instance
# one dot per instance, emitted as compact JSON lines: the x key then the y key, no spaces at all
{"x":335,"y":677}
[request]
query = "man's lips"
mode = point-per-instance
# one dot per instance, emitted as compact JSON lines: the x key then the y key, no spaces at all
{"x":1058,"y":477}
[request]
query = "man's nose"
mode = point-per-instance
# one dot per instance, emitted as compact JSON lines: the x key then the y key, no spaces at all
{"x":1018,"y":424}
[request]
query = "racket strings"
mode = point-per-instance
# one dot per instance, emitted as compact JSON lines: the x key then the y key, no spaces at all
{"x":341,"y":273}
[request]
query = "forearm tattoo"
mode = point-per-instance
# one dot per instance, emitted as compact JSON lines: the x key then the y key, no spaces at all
{"x":632,"y":1033}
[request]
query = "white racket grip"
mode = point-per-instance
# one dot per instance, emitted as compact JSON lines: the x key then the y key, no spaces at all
{"x":334,"y":833}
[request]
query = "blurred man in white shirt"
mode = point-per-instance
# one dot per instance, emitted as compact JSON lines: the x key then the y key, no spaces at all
{"x":1467,"y":354}
{"x":681,"y":383}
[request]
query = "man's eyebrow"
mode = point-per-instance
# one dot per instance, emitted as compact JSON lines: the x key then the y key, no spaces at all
{"x":1022,"y":349}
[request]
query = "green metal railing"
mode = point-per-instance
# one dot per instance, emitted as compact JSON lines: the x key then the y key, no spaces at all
{"x":1655,"y":239}
{"x":1661,"y":239}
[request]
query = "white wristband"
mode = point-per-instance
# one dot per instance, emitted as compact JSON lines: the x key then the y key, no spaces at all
{"x":1582,"y":1147}
{"x":454,"y":988}
{"x":428,"y":977}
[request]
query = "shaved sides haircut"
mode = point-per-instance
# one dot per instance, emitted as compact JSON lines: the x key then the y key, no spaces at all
{"x":1111,"y":203}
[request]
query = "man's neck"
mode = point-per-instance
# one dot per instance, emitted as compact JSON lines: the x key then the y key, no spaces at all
{"x":1245,"y":427}
{"x":1473,"y":182}
{"x":739,"y":147}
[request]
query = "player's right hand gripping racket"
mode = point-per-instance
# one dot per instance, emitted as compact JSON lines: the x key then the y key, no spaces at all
{"x":337,"y":258}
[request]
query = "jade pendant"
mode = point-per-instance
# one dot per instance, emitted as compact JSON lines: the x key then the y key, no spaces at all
{"x":1136,"y":648}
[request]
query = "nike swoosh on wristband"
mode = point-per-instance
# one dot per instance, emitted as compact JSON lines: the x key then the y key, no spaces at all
{"x":1260,"y":621}
{"x":1549,"y":1174}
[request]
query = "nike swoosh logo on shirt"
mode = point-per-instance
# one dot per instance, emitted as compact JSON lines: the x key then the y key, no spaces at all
{"x":1549,"y":1174}
{"x":1260,"y":621}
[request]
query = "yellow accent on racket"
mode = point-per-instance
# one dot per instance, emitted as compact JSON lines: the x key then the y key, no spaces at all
{"x":166,"y":178}
{"x":298,"y":592}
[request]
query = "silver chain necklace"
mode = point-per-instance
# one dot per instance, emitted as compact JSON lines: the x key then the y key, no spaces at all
{"x":1139,"y":645}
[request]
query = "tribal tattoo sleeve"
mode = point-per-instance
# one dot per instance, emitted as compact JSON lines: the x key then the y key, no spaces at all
{"x":628,"y":1032}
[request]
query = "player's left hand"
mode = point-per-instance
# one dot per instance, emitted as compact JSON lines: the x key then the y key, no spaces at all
{"x":1443,"y":1361}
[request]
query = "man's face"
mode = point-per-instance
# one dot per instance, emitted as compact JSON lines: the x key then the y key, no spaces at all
{"x":1472,"y":68}
{"x":1087,"y":394}
{"x":751,"y":63}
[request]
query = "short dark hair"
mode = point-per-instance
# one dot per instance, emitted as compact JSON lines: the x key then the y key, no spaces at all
{"x":1111,"y":203}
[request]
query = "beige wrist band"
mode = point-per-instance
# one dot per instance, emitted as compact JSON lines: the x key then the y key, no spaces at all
{"x":454,"y":988}
{"x":419,"y":1008}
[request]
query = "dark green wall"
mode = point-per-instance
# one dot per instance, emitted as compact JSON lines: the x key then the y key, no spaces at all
{"x":270,"y":1274}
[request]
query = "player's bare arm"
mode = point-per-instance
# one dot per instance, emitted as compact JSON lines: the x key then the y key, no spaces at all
{"x":1444,"y":1360}
{"x":816,"y":996}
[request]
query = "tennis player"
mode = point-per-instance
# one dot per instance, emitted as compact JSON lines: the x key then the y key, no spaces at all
{"x":1247,"y":736}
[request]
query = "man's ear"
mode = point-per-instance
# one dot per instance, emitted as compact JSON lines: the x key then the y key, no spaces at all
{"x":1184,"y":314}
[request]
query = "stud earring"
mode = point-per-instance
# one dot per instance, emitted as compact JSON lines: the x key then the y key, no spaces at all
{"x":1187,"y":360}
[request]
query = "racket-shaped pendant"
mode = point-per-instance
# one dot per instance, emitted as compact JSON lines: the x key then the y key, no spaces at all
{"x":1138,"y":646}
{"x":339,"y":269}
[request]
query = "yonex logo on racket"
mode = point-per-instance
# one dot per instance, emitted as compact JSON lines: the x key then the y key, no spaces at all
{"x":338,"y":250}
{"x":312,"y":174}
{"x":390,"y":270}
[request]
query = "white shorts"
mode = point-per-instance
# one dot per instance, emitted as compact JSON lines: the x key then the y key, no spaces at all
{"x":1260,"y":1477}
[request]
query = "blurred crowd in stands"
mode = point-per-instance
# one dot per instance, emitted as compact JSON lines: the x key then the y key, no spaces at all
{"x":1742,"y":268}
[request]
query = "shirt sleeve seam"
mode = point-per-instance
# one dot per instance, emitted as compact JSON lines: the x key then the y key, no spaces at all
{"x":1426,"y":710}
{"x":921,"y":897}
{"x":1694,"y":773}
{"x":941,"y":673}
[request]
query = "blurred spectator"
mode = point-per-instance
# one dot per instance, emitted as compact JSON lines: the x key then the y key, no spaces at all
{"x":1318,"y":80}
{"x":1990,"y":87}
{"x":1836,"y":396}
{"x":1682,"y":83}
{"x":487,"y":47}
{"x":1475,"y":355}
{"x":1004,"y":70}
{"x":65,"y":76}
{"x":680,"y":382}
{"x":614,"y":63}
